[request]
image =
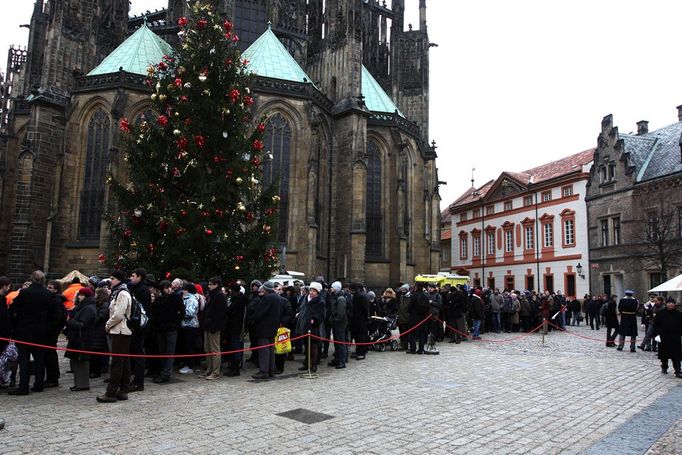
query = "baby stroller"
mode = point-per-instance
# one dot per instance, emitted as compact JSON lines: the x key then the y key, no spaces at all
{"x":381,"y":329}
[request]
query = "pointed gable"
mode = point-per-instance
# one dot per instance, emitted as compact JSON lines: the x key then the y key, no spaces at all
{"x":135,"y":54}
{"x":507,"y":185}
{"x":268,"y":57}
{"x":376,"y":98}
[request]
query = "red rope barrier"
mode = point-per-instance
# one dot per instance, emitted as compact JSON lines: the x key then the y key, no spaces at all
{"x":601,"y":340}
{"x":508,"y":340}
{"x":371,"y":343}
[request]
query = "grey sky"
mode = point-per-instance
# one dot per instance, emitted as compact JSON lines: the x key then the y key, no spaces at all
{"x":517,"y":84}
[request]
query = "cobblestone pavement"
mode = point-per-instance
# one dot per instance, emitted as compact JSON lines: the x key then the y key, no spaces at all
{"x":474,"y":398}
{"x":670,"y":443}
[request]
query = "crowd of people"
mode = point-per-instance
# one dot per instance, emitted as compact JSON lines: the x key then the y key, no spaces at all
{"x":117,"y":325}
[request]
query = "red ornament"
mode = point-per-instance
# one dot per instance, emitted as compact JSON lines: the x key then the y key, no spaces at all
{"x":256,"y":161}
{"x":168,"y":58}
{"x":228,"y":36}
{"x":235,"y":39}
{"x":234,"y":95}
{"x":258,"y":145}
{"x":162,"y":66}
{"x":208,"y":232}
{"x":228,"y":174}
{"x":183,"y":213}
{"x":239,"y":258}
{"x":245,"y":62}
{"x":200,"y":141}
{"x":183,"y":99}
{"x":227,"y":25}
{"x":162,"y":120}
{"x":127,"y":233}
{"x":217,"y":159}
{"x":182,"y":21}
{"x":101,"y":258}
{"x":202,"y":23}
{"x":124,"y":125}
{"x":163,"y":225}
{"x":188,"y":121}
{"x":181,"y":143}
{"x":178,"y":82}
{"x":219,"y":212}
{"x":261,"y":127}
{"x":250,"y":216}
{"x":205,"y":213}
{"x":180,"y":231}
{"x":248,"y":101}
{"x":176,"y":172}
{"x":228,"y":62}
{"x":150,"y":247}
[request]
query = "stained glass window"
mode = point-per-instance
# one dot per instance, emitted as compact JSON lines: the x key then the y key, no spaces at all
{"x":278,"y":141}
{"x":92,"y":192}
{"x":373,"y":210}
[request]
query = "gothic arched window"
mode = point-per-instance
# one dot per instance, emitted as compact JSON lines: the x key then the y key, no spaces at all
{"x":92,"y":192}
{"x":278,"y":141}
{"x":250,"y":21}
{"x":406,"y":209}
{"x":373,"y":216}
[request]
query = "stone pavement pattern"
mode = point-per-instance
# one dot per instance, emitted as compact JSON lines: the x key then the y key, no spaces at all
{"x":670,"y":443}
{"x":474,"y":398}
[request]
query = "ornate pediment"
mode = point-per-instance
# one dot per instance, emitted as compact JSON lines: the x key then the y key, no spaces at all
{"x":505,"y":188}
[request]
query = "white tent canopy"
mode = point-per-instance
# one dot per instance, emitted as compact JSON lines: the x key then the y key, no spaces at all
{"x":671,"y":285}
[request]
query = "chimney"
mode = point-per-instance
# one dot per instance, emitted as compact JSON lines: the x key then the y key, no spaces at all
{"x":679,"y":113}
{"x":642,"y":127}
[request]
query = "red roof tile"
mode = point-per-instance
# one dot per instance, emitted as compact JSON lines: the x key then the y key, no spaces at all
{"x":446,"y":234}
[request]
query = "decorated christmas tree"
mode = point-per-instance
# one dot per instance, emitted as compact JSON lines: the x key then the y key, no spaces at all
{"x":192,"y":203}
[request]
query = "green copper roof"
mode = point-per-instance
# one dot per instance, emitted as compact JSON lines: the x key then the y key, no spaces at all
{"x":268,"y":57}
{"x":134,"y":55}
{"x":376,"y":98}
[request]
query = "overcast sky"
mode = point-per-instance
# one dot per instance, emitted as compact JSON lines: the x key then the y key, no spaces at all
{"x":517,"y":84}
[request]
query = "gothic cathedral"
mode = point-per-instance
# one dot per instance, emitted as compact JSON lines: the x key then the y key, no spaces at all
{"x":343,"y":86}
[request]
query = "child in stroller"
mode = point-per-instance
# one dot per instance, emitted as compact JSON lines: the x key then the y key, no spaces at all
{"x":381,"y":329}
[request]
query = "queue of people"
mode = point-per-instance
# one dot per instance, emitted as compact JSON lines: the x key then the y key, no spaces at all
{"x":114,"y":323}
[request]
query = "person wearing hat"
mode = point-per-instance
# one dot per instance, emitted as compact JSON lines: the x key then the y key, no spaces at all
{"x":56,"y":320}
{"x":117,"y":329}
{"x":628,"y":307}
{"x":311,"y":319}
{"x":254,"y":297}
{"x":79,"y":331}
{"x":403,"y":314}
{"x":266,"y":318}
{"x":339,"y":324}
{"x":477,"y":313}
{"x":668,"y":325}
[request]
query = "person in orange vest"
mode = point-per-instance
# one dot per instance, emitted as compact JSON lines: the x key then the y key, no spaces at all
{"x":70,"y":293}
{"x":10,"y":296}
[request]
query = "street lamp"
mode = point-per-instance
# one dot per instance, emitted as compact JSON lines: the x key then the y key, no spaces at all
{"x":579,"y":269}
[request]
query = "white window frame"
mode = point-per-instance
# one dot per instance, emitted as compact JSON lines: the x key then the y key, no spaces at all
{"x":548,"y":234}
{"x":569,"y":232}
{"x":490,"y":237}
{"x":509,"y":241}
{"x":530,"y":237}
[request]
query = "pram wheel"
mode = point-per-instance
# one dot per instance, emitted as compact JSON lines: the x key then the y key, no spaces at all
{"x":395,"y":345}
{"x":381,"y":347}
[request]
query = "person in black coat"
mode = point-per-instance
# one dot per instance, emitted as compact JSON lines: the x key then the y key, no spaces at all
{"x":286,"y":317}
{"x":28,"y":316}
{"x":668,"y":325}
{"x":234,"y":329}
{"x":611,"y":321}
{"x":138,"y":288}
{"x":56,"y":319}
{"x":214,"y":321}
{"x":311,"y":319}
{"x":167,"y":314}
{"x":419,"y":308}
{"x":5,"y":286}
{"x":266,"y":318}
{"x":79,"y":331}
{"x":359,"y":320}
{"x":100,"y":363}
{"x":628,"y":307}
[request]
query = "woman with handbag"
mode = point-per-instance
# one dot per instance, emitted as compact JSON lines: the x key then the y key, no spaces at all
{"x":79,"y":331}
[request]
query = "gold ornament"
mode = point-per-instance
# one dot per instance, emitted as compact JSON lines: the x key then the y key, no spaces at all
{"x":154,"y":96}
{"x":162,"y":97}
{"x":238,"y":180}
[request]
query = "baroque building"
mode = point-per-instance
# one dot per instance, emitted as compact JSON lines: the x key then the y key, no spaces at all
{"x":634,"y":203}
{"x":526,"y":230}
{"x":345,"y":91}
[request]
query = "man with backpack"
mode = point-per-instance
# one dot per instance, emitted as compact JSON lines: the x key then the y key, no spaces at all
{"x":117,"y":328}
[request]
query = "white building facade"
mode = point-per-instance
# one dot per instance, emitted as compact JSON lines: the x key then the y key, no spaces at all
{"x":526,"y":231}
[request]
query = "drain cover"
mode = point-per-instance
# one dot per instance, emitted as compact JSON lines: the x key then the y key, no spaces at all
{"x":305,"y":416}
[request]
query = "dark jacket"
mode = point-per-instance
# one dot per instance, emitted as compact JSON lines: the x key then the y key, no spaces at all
{"x":311,"y":317}
{"x":266,"y":316}
{"x":80,"y":328}
{"x":141,"y":292}
{"x":56,"y":316}
{"x":234,"y":322}
{"x":477,"y":308}
{"x":668,"y":324}
{"x":628,"y":316}
{"x":99,"y":334}
{"x":215,"y":311}
{"x":610,"y":316}
{"x":286,"y":313}
{"x":167,"y":312}
{"x":360,"y":312}
{"x":28,"y":313}
{"x":338,"y":315}
{"x":4,"y":322}
{"x":419,"y":307}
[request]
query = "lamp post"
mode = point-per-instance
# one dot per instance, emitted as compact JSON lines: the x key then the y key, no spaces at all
{"x":579,"y":269}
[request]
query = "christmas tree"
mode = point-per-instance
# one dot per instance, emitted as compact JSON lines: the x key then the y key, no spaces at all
{"x":192,"y":204}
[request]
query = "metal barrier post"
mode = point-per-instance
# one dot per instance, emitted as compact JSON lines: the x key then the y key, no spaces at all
{"x":309,"y":374}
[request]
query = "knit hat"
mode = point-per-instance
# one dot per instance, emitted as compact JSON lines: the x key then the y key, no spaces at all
{"x":371,"y":295}
{"x":256,"y":283}
{"x":405,"y":287}
{"x":94,"y":280}
{"x":317,"y":286}
{"x":119,"y":275}
{"x":86,"y":292}
{"x":478,"y":292}
{"x":268,"y":286}
{"x":337,"y":286}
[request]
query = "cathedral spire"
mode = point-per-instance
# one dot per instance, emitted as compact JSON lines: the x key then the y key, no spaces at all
{"x":422,"y":14}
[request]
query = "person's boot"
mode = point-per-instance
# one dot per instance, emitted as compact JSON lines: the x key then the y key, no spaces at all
{"x":620,"y":347}
{"x":632,"y":346}
{"x":664,"y":369}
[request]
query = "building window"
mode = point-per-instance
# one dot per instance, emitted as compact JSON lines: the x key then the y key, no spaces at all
{"x":570,"y":285}
{"x":530,"y":283}
{"x":477,"y":246}
{"x":463,"y":253}
{"x":604,"y":225}
{"x":509,"y":282}
{"x":250,"y":21}
{"x":491,"y":282}
{"x":655,"y":279}
{"x":612,"y":172}
{"x":490,"y":210}
{"x":476,"y":213}
{"x":549,"y":283}
{"x":602,"y":174}
{"x":276,"y":171}
{"x":549,"y":235}
{"x":546,"y":196}
{"x":508,"y":241}
{"x":508,"y":205}
{"x":490,"y":238}
{"x":94,"y":175}
{"x":445,"y":255}
{"x":569,"y":232}
{"x":463,"y":216}
{"x":679,"y":222}
{"x":527,"y":200}
{"x":652,"y":226}
{"x":615,"y":222}
{"x":567,"y":191}
{"x":373,"y":246}
{"x":530,"y":237}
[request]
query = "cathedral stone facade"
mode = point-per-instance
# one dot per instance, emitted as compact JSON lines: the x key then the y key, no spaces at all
{"x":343,"y":86}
